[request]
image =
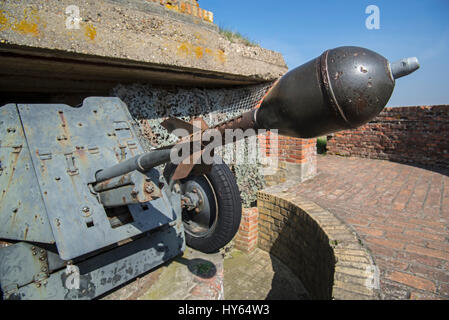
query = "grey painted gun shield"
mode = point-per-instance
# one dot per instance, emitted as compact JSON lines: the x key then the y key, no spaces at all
{"x":97,"y":275}
{"x":22,"y":210}
{"x":68,"y":146}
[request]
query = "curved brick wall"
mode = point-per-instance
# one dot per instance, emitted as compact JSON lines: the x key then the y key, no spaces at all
{"x":418,"y":135}
{"x":320,"y":249}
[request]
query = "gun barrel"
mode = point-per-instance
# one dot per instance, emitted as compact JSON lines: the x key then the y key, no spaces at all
{"x":142,"y":163}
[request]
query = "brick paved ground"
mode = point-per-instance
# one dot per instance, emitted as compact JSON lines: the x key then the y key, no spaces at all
{"x":238,"y":276}
{"x":259,"y":276}
{"x":401,"y":213}
{"x":193,"y":276}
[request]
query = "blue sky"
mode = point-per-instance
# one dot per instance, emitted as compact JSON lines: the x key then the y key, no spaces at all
{"x":302,"y":30}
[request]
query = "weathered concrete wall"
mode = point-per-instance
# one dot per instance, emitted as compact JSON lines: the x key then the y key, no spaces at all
{"x":120,"y":40}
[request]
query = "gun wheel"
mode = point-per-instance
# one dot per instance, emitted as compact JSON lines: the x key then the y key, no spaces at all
{"x":215,"y":210}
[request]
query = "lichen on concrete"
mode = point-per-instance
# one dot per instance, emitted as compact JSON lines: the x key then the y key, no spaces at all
{"x":131,"y":30}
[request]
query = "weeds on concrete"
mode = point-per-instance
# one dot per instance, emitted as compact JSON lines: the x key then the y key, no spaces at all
{"x":237,"y":37}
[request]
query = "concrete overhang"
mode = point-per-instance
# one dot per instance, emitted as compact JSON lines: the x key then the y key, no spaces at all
{"x":43,"y":51}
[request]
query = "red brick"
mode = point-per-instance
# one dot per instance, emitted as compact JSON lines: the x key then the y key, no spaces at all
{"x":431,"y":224}
{"x":383,"y":251}
{"x":405,"y":238}
{"x":428,"y":252}
{"x":357,"y":221}
{"x":402,"y":223}
{"x":370,"y":231}
{"x":412,"y":257}
{"x":440,"y":230}
{"x":387,"y":243}
{"x":443,"y":246}
{"x":391,"y":263}
{"x":430,"y":273}
{"x":412,"y":281}
{"x":426,"y":235}
{"x":425,"y":135}
{"x":386,"y":227}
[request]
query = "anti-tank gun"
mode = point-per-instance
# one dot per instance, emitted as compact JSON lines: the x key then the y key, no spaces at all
{"x":79,"y":193}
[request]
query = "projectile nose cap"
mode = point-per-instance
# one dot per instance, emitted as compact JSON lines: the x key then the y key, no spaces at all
{"x":404,"y":67}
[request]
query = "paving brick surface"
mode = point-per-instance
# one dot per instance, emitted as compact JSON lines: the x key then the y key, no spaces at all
{"x":197,"y":276}
{"x":401,"y":212}
{"x":193,"y":276}
{"x":260,"y":276}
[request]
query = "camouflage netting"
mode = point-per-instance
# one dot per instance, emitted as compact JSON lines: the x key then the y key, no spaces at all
{"x":150,"y":105}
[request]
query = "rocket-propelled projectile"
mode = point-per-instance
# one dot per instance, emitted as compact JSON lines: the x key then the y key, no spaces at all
{"x":343,"y":88}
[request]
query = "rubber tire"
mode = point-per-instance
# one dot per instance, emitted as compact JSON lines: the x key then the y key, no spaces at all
{"x":229,"y":208}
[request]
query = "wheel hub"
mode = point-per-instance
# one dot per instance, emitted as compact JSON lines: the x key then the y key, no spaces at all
{"x":199,"y":206}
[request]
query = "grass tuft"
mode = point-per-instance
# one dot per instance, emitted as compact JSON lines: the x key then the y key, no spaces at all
{"x":237,"y":37}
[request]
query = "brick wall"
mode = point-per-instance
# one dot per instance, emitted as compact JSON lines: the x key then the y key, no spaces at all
{"x":189,"y":7}
{"x":325,"y":254}
{"x":418,"y":135}
{"x":296,"y":157}
{"x":246,"y":238}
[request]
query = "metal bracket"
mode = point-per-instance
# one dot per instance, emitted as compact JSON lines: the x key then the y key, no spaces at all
{"x":44,"y":154}
{"x":93,"y":149}
{"x":132,"y":145}
{"x":40,"y":277}
{"x":17,"y":149}
{"x":122,"y":129}
{"x":72,"y":170}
